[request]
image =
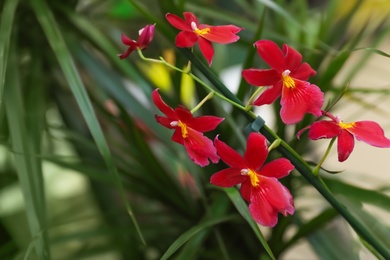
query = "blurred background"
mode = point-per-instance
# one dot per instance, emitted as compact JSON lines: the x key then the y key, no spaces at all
{"x":80,"y":146}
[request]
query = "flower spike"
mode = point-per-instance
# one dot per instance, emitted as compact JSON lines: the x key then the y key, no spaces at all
{"x":145,"y":37}
{"x":286,"y":78}
{"x":192,"y":32}
{"x":189,"y":130}
{"x":259,"y":182}
{"x":367,"y":131}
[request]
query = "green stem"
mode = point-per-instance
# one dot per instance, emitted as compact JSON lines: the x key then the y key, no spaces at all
{"x":209,"y":96}
{"x":316,"y":170}
{"x":254,"y":95}
{"x":186,"y":71}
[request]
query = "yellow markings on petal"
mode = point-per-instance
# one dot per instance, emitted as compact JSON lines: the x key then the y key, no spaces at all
{"x":183,"y":127}
{"x":197,"y":31}
{"x":252,"y":175}
{"x":346,"y":125}
{"x":287,"y":80}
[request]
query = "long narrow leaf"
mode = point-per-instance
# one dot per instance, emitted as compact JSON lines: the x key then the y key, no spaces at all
{"x":192,"y":232}
{"x":242,"y":208}
{"x":56,"y":40}
{"x":7,"y":18}
{"x":29,"y":173}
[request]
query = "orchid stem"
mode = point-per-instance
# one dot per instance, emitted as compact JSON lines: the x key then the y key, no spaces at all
{"x":188,"y":72}
{"x":209,"y":96}
{"x":254,"y":95}
{"x":274,"y":144}
{"x":316,"y":169}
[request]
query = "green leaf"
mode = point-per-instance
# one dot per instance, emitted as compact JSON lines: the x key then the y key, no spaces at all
{"x":192,"y":232}
{"x":7,"y":18}
{"x":27,"y":166}
{"x":57,"y":43}
{"x":242,"y":208}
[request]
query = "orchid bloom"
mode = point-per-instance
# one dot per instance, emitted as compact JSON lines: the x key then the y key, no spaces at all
{"x":287,"y":78}
{"x":259,"y":183}
{"x":189,"y":130}
{"x":145,"y":37}
{"x":367,"y":131}
{"x":192,"y":32}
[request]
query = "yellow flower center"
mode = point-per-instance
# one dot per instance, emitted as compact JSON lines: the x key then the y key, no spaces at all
{"x":199,"y":32}
{"x":287,"y":80}
{"x":183,"y":127}
{"x":346,"y":126}
{"x":252,"y":175}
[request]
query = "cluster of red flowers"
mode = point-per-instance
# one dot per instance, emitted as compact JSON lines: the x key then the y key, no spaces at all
{"x":287,"y":78}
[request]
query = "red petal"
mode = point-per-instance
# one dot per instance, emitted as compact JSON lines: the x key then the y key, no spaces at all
{"x":324,"y":129}
{"x":292,"y":57}
{"x":278,"y":168}
{"x":126,"y":53}
{"x":257,"y":77}
{"x":146,"y":36}
{"x":268,"y":199}
{"x":207,"y":49}
{"x":190,"y":17}
{"x":200,"y":148}
{"x":345,"y":144}
{"x":246,"y":189}
{"x":304,"y":72}
{"x":370,"y":132}
{"x":177,"y":22}
{"x":204,"y":123}
{"x":186,"y":39}
{"x":299,"y":100}
{"x":162,"y":106}
{"x":178,"y":136}
{"x":222,"y":34}
{"x":127,"y":41}
{"x":183,"y":114}
{"x":256,"y":151}
{"x":164,"y":121}
{"x":228,"y":155}
{"x":227,"y":178}
{"x":269,"y":95}
{"x":271,"y":54}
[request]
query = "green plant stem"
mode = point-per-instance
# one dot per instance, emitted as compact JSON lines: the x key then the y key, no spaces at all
{"x":186,"y":71}
{"x":316,"y":169}
{"x":254,"y":95}
{"x":209,"y":96}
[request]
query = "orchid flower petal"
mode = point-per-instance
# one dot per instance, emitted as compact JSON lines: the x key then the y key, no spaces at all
{"x":293,"y":58}
{"x":177,"y":22}
{"x":299,"y":100}
{"x":277,"y":168}
{"x":246,"y":189}
{"x":200,"y":148}
{"x":190,"y":17}
{"x":126,"y":53}
{"x":369,"y":132}
{"x":256,"y":151}
{"x":227,"y":178}
{"x":186,"y":39}
{"x":303,"y":72}
{"x":345,"y":145}
{"x":146,"y":36}
{"x":257,"y":77}
{"x":271,"y":54}
{"x":228,"y":155}
{"x":207,"y":49}
{"x":162,"y":106}
{"x":269,"y":95}
{"x":204,"y":123}
{"x":222,"y":34}
{"x":324,"y":129}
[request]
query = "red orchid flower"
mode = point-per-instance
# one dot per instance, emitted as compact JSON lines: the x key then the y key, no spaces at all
{"x":259,"y":183}
{"x":145,"y":37}
{"x":192,"y":32}
{"x":287,"y":78}
{"x":367,"y":131}
{"x":189,"y":130}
